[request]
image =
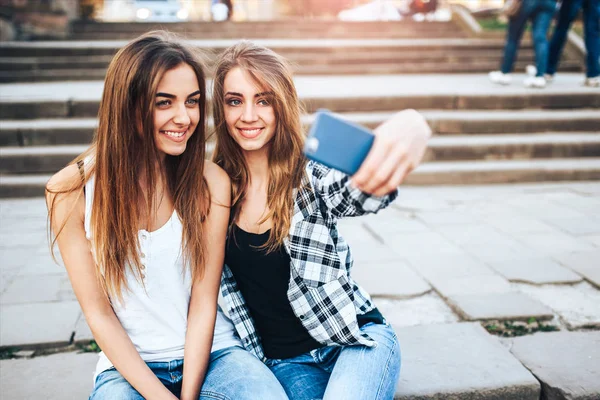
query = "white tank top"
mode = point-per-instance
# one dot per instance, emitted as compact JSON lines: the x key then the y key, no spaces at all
{"x":154,"y":314}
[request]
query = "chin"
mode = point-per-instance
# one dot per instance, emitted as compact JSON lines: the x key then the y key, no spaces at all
{"x":173,"y":151}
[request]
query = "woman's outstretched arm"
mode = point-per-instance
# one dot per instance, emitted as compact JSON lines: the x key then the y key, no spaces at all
{"x":69,"y":210}
{"x":205,"y":291}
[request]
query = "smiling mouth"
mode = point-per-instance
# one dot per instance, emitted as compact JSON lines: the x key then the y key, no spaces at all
{"x":175,"y":135}
{"x":250,"y":133}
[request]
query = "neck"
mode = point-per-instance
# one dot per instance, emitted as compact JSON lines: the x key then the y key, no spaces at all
{"x":258,"y":166}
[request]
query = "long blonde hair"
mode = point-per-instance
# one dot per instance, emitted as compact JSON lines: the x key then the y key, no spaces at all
{"x":124,"y":153}
{"x":286,"y":161}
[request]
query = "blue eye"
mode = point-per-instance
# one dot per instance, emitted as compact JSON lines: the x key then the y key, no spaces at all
{"x":263,"y":102}
{"x":163,"y":103}
{"x":194,"y":102}
{"x":233,"y":102}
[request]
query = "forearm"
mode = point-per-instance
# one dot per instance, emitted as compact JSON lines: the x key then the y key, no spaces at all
{"x":198,"y":343}
{"x":116,"y":344}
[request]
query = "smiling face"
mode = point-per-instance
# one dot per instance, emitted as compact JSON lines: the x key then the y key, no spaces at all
{"x":249,"y":112}
{"x":176,"y":110}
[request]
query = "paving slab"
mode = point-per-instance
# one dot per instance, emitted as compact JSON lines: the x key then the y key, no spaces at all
{"x":54,"y":377}
{"x":83,"y":332}
{"x":394,"y":279}
{"x":38,"y":289}
{"x":477,"y":284}
{"x":566,"y":363}
{"x":450,"y":266}
{"x":576,"y":305}
{"x":38,"y":323}
{"x":587,"y":264}
{"x":460,"y":361}
{"x":502,"y":306}
{"x":577,"y":226}
{"x":422,"y":310}
{"x":536,"y":271}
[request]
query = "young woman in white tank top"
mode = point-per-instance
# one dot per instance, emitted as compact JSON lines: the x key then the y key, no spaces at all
{"x":140,"y":220}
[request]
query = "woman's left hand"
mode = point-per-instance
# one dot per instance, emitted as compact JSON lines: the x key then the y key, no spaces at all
{"x":398,"y":148}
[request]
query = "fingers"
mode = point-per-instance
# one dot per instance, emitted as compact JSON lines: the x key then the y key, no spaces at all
{"x":397,"y":178}
{"x":382,"y":180}
{"x":369,"y":167}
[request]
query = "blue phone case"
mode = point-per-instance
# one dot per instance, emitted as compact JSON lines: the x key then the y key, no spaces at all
{"x":337,"y":143}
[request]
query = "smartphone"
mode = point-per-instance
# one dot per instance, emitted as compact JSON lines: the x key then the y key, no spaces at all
{"x":338,"y":143}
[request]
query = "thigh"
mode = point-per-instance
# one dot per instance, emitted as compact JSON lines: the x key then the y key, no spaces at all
{"x":110,"y":385}
{"x":301,"y":380}
{"x":365,"y":373}
{"x":235,"y":374}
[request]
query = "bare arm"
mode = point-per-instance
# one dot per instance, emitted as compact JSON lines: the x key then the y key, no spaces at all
{"x":203,"y":303}
{"x":106,"y":328}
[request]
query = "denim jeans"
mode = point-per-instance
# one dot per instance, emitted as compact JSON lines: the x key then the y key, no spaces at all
{"x":540,"y":12}
{"x":591,"y":21}
{"x":350,"y":372}
{"x":233,"y":374}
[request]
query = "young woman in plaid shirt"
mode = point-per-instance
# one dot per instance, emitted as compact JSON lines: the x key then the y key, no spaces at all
{"x":287,"y":278}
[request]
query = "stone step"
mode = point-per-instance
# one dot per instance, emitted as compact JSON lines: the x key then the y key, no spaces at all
{"x":374,"y":67}
{"x":59,"y":131}
{"x":271,"y":29}
{"x":49,"y":159}
{"x":285,"y":47}
{"x":302,"y":56}
{"x":81,"y":99}
{"x":430,"y":173}
{"x":485,"y":172}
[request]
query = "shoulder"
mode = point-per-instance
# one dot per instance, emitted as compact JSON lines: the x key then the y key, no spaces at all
{"x":64,"y":179}
{"x":218,"y":182}
{"x":63,"y":192}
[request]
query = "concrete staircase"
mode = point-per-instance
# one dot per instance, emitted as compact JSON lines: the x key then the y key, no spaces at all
{"x":364,"y":71}
{"x":515,"y":136}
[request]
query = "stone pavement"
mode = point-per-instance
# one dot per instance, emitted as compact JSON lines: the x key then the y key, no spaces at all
{"x":439,"y":262}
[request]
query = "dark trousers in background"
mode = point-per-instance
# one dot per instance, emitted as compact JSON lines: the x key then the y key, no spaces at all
{"x":540,"y":12}
{"x":591,"y":22}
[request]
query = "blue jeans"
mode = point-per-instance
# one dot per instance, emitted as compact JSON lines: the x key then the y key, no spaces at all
{"x":540,"y":12}
{"x":233,"y":374}
{"x":350,"y":372}
{"x":591,"y":21}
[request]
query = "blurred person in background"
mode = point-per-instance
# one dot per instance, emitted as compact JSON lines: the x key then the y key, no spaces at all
{"x":591,"y":23}
{"x":540,"y":12}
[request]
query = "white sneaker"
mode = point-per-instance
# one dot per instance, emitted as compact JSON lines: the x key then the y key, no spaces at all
{"x":531,"y":70}
{"x":535,"y":82}
{"x":499,"y":78}
{"x":549,"y":78}
{"x":592,"y":82}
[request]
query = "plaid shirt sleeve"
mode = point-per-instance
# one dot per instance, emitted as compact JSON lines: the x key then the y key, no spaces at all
{"x":342,"y":200}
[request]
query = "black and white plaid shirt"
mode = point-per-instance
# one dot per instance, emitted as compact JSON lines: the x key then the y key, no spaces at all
{"x":321,"y":291}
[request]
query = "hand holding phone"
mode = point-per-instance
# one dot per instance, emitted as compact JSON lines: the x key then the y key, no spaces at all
{"x":338,"y":143}
{"x":378,"y":161}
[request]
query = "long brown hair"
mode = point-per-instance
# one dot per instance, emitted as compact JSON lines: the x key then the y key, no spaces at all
{"x":124,"y":153}
{"x":286,"y":161}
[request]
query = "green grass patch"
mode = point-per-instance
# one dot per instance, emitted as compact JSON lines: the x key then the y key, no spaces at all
{"x":492,"y":24}
{"x":91,"y":347}
{"x":8,"y":353}
{"x":517,"y":328}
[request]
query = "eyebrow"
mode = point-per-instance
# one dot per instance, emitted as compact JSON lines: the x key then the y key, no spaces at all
{"x":256,"y":95}
{"x":172,"y":96}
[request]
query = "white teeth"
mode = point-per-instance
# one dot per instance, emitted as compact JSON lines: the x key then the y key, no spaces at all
{"x":174,"y":134}
{"x":251,"y":131}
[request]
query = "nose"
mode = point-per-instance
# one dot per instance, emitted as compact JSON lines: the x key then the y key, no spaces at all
{"x":181,"y":116}
{"x":249,"y":113}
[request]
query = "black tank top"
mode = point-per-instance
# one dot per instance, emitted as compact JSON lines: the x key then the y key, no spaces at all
{"x":263,"y":280}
